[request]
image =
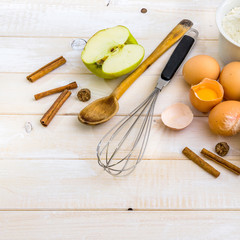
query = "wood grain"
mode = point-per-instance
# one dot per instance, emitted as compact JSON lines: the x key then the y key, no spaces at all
{"x":66,"y":137}
{"x":55,"y":169}
{"x":74,"y":71}
{"x":28,"y":54}
{"x":176,"y":91}
{"x":83,"y":185}
{"x":75,"y":18}
{"x":172,"y":5}
{"x":119,"y":225}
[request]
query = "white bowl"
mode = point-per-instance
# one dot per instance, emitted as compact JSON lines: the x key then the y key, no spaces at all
{"x":229,"y":50}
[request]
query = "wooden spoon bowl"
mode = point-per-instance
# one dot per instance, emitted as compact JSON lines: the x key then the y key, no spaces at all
{"x":99,"y":111}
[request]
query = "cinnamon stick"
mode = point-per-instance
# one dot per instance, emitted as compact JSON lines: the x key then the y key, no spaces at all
{"x":48,"y":116}
{"x":221,"y":161}
{"x":46,"y":69}
{"x":55,"y":90}
{"x":200,"y":162}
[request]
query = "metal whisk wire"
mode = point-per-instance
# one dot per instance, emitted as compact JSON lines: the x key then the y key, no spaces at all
{"x":124,"y":166}
{"x":147,"y":105}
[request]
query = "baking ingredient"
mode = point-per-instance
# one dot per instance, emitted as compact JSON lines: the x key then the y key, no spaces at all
{"x":224,"y":119}
{"x":231,"y":24}
{"x":84,"y":95}
{"x":49,"y":115}
{"x":177,"y":116}
{"x":221,"y":161}
{"x":143,"y":10}
{"x":69,"y":86}
{"x":230,"y":80}
{"x":200,"y":162}
{"x":205,"y":95}
{"x":222,"y":149}
{"x":112,"y":52}
{"x":199,"y":67}
{"x":46,"y":69}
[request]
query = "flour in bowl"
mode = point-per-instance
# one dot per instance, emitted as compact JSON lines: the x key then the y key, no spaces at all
{"x":231,"y":24}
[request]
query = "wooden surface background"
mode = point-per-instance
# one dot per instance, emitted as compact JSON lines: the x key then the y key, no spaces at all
{"x":51,"y":186}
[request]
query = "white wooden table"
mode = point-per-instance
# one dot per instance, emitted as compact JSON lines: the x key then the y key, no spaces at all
{"x":51,"y":186}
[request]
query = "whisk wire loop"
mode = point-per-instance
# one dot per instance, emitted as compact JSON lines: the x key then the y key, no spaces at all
{"x":144,"y":131}
{"x":122,"y":166}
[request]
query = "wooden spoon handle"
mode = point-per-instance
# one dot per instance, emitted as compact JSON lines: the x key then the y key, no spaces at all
{"x":171,"y":38}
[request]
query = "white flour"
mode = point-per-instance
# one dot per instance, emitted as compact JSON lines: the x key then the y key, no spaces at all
{"x":231,"y":24}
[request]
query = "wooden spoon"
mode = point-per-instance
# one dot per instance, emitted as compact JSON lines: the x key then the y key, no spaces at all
{"x":105,"y":108}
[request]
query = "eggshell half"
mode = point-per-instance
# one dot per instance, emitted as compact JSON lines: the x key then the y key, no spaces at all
{"x":177,"y":116}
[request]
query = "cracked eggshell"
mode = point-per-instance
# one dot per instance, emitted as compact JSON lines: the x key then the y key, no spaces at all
{"x":224,"y":119}
{"x":177,"y":116}
{"x":206,"y":105}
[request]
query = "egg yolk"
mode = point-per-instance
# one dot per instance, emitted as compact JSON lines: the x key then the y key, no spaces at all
{"x":206,"y":94}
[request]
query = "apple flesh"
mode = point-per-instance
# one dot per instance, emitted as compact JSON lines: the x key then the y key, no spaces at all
{"x":112,"y":52}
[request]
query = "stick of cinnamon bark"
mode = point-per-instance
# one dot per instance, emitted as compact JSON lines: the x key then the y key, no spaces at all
{"x":56,"y":90}
{"x":46,"y":69}
{"x":221,"y":161}
{"x":200,"y":162}
{"x":48,"y":116}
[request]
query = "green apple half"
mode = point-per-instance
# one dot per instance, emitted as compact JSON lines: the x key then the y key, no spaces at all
{"x":112,"y":52}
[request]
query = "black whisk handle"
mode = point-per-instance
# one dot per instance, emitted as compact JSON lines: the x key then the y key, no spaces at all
{"x":177,"y":57}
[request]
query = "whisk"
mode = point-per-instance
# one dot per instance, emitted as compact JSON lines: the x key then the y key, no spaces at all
{"x":110,"y":147}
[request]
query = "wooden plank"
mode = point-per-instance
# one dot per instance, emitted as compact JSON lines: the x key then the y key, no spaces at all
{"x":27,"y":59}
{"x":154,"y":4}
{"x":70,"y":18}
{"x":18,"y":94}
{"x":83,"y":185}
{"x":119,"y":225}
{"x":25,"y":55}
{"x":65,"y":137}
{"x":169,"y":5}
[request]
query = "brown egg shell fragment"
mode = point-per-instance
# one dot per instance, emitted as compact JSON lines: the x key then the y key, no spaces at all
{"x":177,"y":116}
{"x":204,"y":105}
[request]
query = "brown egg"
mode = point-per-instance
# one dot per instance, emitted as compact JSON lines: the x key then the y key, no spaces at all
{"x":230,"y":80}
{"x":199,"y":67}
{"x":205,"y":95}
{"x":224,"y":119}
